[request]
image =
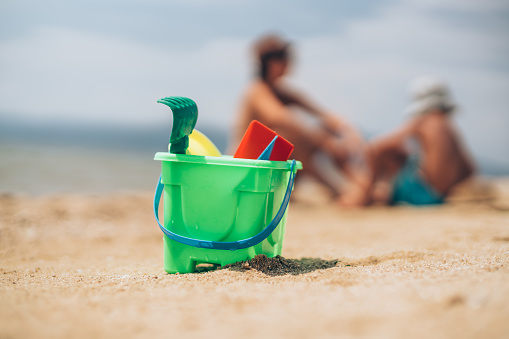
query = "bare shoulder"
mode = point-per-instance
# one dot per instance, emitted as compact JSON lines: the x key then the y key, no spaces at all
{"x":437,"y":130}
{"x":258,"y":88}
{"x":253,"y":93}
{"x":435,"y":124}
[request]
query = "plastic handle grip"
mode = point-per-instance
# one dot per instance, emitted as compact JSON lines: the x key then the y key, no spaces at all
{"x":228,"y":245}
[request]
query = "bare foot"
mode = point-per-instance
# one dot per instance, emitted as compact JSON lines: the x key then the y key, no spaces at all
{"x":355,"y":197}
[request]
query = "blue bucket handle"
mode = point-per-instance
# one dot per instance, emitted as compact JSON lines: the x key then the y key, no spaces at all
{"x":228,"y":245}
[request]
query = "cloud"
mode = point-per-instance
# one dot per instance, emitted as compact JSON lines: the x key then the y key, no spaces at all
{"x":57,"y":73}
{"x":463,"y":5}
{"x":358,"y":66}
{"x":363,"y":71}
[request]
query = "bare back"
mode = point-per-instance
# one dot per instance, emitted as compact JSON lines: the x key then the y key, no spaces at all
{"x":270,"y":106}
{"x":258,"y":93}
{"x":445,"y":161}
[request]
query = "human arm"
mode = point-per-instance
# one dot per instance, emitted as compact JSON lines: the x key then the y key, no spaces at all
{"x":383,"y":156}
{"x":271,"y":111}
{"x":396,"y":138}
{"x":328,"y":120}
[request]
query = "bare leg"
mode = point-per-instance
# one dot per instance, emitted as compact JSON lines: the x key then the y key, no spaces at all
{"x":311,"y":168}
{"x":384,"y":160}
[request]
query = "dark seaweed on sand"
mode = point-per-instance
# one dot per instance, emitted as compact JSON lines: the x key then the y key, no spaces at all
{"x":281,"y":266}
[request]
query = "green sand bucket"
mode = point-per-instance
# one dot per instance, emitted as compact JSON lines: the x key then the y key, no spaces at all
{"x":220,"y":210}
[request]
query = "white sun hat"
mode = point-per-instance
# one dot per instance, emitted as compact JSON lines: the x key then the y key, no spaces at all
{"x":429,"y":92}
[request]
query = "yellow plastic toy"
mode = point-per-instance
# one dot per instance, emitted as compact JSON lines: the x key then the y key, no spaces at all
{"x":199,"y":144}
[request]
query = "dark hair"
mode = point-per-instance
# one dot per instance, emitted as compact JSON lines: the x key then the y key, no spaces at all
{"x":273,"y":55}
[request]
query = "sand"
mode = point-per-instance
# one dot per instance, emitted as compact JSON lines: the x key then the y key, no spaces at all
{"x":90,"y":266}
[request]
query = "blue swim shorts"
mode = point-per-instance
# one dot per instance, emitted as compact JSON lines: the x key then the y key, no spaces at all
{"x":409,"y":187}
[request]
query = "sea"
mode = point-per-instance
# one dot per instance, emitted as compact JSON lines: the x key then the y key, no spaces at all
{"x":47,"y":158}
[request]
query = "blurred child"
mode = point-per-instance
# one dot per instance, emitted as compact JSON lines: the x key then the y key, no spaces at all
{"x":420,"y":162}
{"x":270,"y":101}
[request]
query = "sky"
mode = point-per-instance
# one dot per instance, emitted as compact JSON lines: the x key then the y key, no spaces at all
{"x":107,"y":62}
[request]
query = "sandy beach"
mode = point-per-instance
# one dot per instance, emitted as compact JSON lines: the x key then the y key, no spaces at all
{"x":83,"y":266}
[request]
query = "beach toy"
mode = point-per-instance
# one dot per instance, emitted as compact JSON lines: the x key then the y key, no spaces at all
{"x":257,"y":138}
{"x":185,"y":115}
{"x":268,"y":150}
{"x":199,"y":144}
{"x":220,"y":210}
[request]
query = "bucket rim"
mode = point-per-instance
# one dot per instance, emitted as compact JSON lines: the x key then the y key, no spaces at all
{"x":225,"y":160}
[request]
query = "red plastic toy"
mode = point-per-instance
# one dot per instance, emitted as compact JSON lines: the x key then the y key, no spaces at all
{"x":257,"y":138}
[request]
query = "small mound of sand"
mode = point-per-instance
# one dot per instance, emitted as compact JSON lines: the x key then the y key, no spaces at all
{"x":281,"y":266}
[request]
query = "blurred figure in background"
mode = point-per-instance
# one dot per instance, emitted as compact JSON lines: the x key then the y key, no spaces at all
{"x":420,"y":162}
{"x":273,"y":103}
